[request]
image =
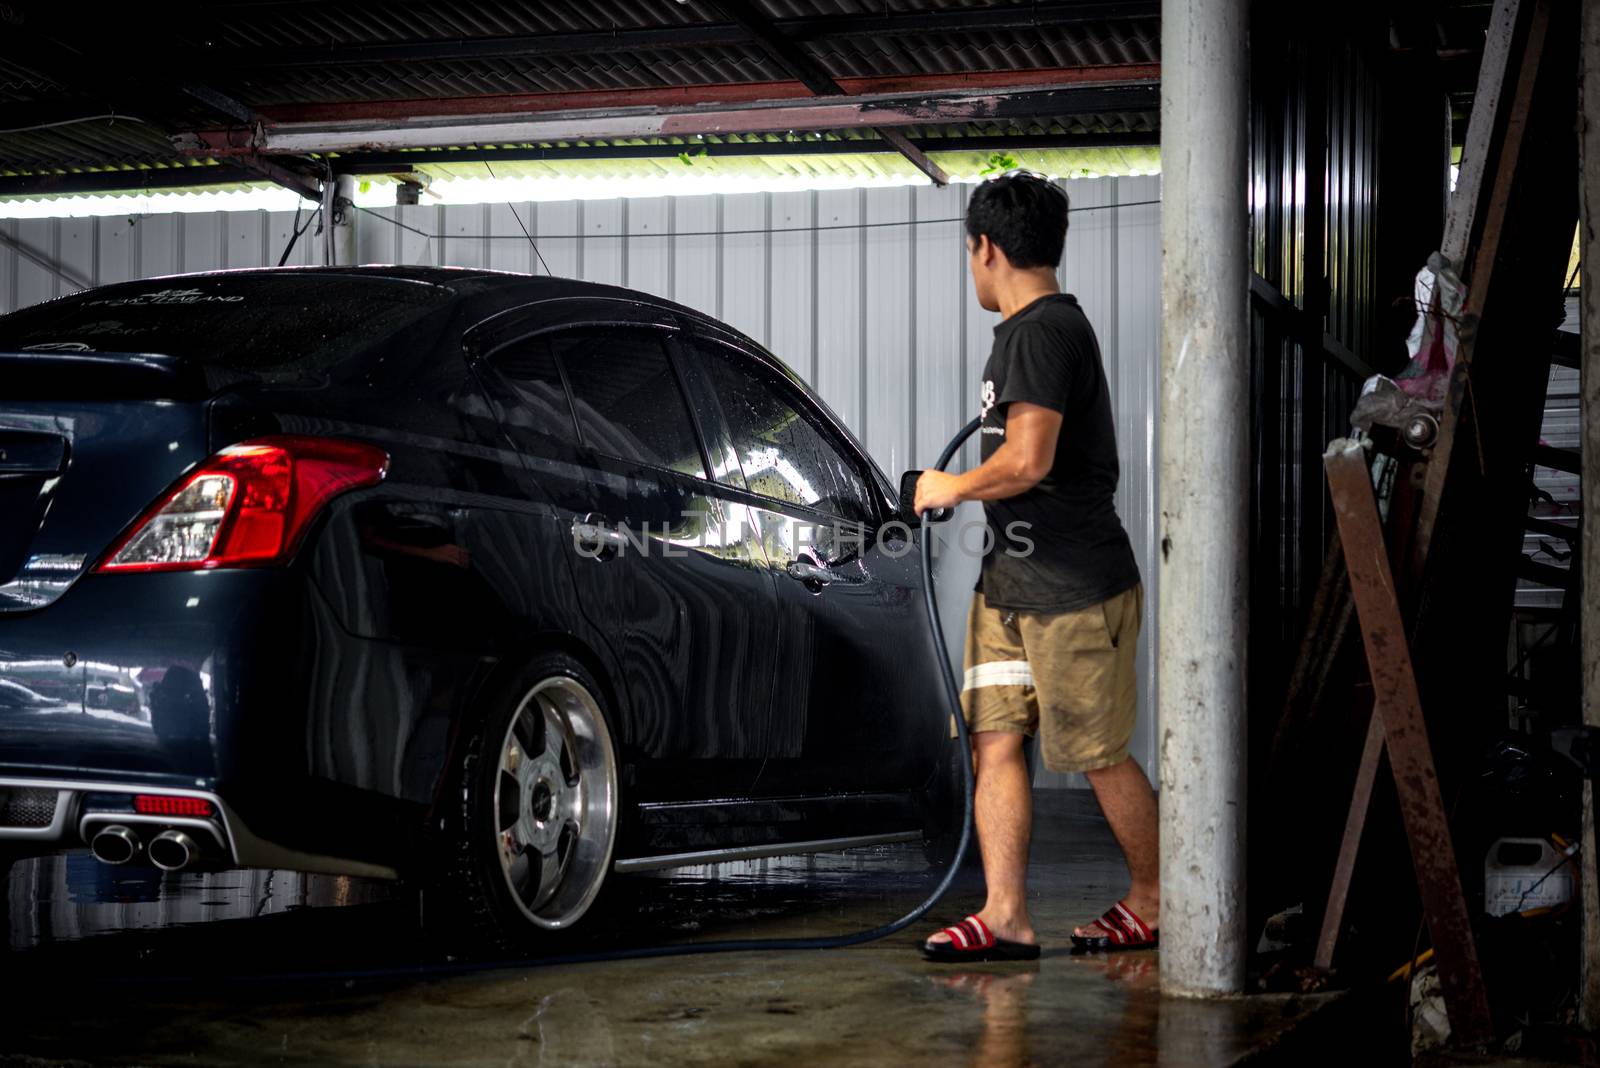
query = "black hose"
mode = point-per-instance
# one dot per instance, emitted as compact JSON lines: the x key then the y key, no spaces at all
{"x":962,"y":757}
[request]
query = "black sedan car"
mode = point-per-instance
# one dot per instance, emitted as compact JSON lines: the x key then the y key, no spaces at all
{"x":499,"y":582}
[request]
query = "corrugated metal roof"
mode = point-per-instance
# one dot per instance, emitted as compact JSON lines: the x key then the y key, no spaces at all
{"x":270,"y":55}
{"x":863,"y":167}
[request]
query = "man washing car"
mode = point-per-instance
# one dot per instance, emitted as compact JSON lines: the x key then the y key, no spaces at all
{"x":1053,"y":625}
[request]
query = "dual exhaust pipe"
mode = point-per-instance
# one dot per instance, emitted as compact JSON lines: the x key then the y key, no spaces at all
{"x":170,"y":850}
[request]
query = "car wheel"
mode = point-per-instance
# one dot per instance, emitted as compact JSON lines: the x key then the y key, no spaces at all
{"x":532,"y":837}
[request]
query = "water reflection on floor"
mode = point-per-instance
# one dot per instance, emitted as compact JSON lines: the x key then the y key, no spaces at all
{"x":166,"y":961}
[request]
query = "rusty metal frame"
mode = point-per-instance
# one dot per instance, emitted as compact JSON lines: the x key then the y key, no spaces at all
{"x":1397,"y":723}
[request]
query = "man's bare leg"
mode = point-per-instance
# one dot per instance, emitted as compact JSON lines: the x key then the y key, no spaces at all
{"x":1129,"y":803}
{"x":1004,"y":810}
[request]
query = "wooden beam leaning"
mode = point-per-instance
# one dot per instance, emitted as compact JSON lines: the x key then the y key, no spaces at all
{"x":1350,"y":844}
{"x":1476,"y":221}
{"x":1398,"y":707}
{"x":1493,"y":92}
{"x":1589,"y":399}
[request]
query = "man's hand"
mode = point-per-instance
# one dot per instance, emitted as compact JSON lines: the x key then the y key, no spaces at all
{"x":937,"y":489}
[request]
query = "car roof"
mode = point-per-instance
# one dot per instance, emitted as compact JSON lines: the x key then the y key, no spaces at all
{"x":481,"y":291}
{"x":464,"y":281}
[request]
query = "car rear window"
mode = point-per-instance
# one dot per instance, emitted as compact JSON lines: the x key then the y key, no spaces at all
{"x":243,"y":322}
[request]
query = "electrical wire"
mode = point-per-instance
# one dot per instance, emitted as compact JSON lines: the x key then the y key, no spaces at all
{"x":518,"y":216}
{"x":1562,"y":863}
{"x":737,"y":233}
{"x":962,"y":756}
{"x":73,"y":122}
{"x":298,"y":230}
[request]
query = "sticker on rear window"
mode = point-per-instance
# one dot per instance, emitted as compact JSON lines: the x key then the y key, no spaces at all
{"x":168,"y":296}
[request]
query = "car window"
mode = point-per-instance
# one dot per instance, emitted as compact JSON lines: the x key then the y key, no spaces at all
{"x":627,"y":398}
{"x":784,"y":455}
{"x":528,"y":369}
{"x":260,"y":323}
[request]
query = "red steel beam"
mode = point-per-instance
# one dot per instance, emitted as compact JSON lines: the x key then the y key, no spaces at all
{"x":689,"y":95}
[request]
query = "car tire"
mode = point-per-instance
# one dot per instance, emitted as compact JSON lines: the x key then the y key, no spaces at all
{"x":530,"y":824}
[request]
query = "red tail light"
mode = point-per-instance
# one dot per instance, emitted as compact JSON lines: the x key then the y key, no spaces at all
{"x":172,"y":805}
{"x":247,"y":506}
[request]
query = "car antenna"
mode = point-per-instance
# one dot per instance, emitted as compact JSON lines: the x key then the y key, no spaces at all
{"x":515,"y":215}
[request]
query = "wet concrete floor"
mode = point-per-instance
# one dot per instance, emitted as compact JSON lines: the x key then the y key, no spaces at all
{"x":124,"y":966}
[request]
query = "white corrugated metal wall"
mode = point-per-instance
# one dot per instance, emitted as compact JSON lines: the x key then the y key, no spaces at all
{"x":863,"y":291}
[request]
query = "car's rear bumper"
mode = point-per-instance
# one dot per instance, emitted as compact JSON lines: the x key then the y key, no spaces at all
{"x":132,"y":677}
{"x":38,"y":812}
{"x":239,"y":685}
{"x":194,"y":684}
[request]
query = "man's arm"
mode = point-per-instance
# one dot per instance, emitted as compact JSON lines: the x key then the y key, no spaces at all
{"x":1017,"y":466}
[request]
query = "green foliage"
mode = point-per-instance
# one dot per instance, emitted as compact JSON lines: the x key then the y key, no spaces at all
{"x":999,"y":163}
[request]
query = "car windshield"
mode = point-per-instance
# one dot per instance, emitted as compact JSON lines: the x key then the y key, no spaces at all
{"x":253,"y":323}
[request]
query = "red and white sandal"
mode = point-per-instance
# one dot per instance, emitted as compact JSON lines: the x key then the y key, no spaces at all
{"x":971,"y":940}
{"x":1122,"y":930}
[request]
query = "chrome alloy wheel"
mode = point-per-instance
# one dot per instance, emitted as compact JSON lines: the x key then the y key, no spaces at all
{"x":555,"y":802}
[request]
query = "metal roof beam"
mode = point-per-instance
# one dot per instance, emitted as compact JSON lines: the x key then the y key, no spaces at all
{"x":401,"y":162}
{"x":799,"y":65}
{"x":721,"y":93}
{"x":902,"y":144}
{"x":398,"y":162}
{"x":815,"y":113}
{"x":783,"y":51}
{"x":308,"y":188}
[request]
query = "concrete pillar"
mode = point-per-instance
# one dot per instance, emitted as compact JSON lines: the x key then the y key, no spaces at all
{"x":1204,"y":493}
{"x":1589,"y":394}
{"x":339,"y":221}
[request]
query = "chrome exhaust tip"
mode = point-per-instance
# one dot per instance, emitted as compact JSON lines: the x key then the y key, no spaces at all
{"x":114,"y":844}
{"x":172,"y":851}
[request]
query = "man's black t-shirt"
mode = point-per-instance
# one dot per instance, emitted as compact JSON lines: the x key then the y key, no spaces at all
{"x":1046,"y":354}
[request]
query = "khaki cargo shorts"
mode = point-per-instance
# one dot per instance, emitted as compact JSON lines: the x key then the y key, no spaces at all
{"x":1067,"y":676}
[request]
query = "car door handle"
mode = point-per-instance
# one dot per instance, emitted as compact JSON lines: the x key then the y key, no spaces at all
{"x":596,"y":539}
{"x":810,"y":574}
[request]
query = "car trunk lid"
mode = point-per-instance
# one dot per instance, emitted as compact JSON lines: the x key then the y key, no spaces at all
{"x":87,"y":441}
{"x":101,"y":431}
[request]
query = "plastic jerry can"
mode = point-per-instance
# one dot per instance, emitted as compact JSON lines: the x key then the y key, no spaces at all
{"x":1526,"y":873}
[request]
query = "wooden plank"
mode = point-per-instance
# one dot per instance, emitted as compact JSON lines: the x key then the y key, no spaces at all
{"x":1464,"y":557}
{"x":1482,"y":210}
{"x":1589,"y":398}
{"x":1350,"y":844}
{"x":1493,"y":90}
{"x":1398,"y":706}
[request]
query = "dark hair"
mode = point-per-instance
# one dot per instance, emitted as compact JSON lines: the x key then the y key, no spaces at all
{"x":1023,"y":213}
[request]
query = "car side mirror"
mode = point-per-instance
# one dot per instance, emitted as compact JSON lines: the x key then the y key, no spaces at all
{"x":908,"y":499}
